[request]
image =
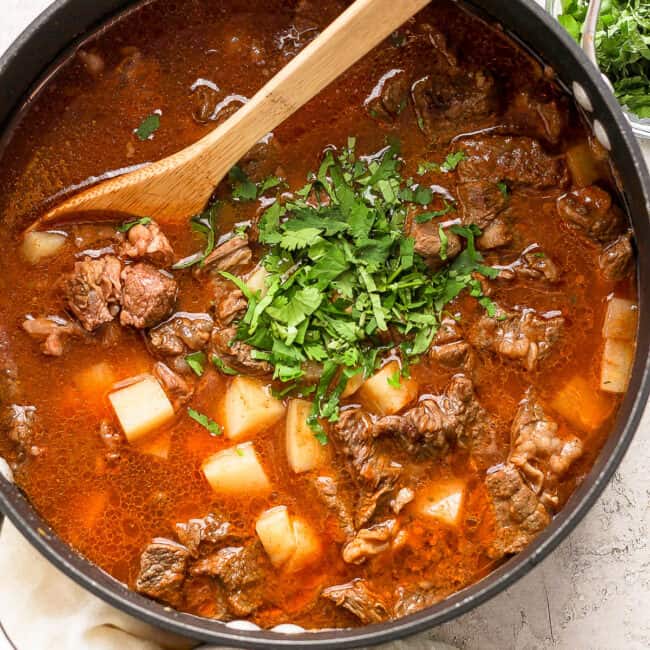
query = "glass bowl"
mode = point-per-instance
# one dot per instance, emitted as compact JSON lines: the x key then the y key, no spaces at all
{"x":640,"y":126}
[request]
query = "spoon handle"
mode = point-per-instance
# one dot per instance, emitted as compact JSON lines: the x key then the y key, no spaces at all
{"x":179,"y":185}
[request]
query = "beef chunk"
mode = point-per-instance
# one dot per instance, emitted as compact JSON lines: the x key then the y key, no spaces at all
{"x":402,"y":499}
{"x":448,"y":347}
{"x":228,"y":255}
{"x":518,"y":160}
{"x":435,"y":422}
{"x":112,"y":439}
{"x":52,"y":332}
{"x":236,"y":354}
{"x":590,"y":210}
{"x":178,"y":389}
{"x":360,"y":600}
{"x":429,"y":245}
{"x":163,"y":565}
{"x":540,"y":118}
{"x":540,"y":453}
{"x":616,"y":260}
{"x":147,"y":243}
{"x":414,"y":599}
{"x":495,"y":235}
{"x":19,"y":423}
{"x":518,"y":514}
{"x":182,"y":333}
{"x":229,"y":302}
{"x":148,"y":297}
{"x":328,"y":491}
{"x":210,"y":529}
{"x":370,"y":541}
{"x":524,"y":336}
{"x":389,"y":97}
{"x":373,"y":470}
{"x":93,"y":291}
{"x":480,"y":202}
{"x":238,"y":568}
{"x":532,"y":264}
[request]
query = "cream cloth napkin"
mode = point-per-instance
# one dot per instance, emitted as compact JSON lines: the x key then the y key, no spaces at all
{"x":43,"y":609}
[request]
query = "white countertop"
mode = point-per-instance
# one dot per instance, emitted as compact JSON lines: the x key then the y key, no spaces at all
{"x":592,"y":593}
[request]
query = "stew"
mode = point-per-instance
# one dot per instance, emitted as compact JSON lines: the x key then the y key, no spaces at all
{"x":373,"y":369}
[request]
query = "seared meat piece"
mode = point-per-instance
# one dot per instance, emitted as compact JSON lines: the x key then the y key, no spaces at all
{"x":590,"y":210}
{"x":402,"y":499}
{"x":227,"y":256}
{"x":524,"y":335}
{"x":496,"y":234}
{"x":113,"y":440}
{"x":148,"y":296}
{"x":238,"y":568}
{"x":329,"y":493}
{"x":518,"y":514}
{"x":415,"y":599}
{"x":178,"y":389}
{"x":480,"y":202}
{"x":19,"y":422}
{"x":358,"y":598}
{"x":162,"y":571}
{"x":535,"y":117}
{"x":448,"y":347}
{"x":540,"y":453}
{"x":429,"y":246}
{"x":375,"y":473}
{"x":518,"y":160}
{"x":229,"y":301}
{"x":617,"y":259}
{"x":53,"y":333}
{"x":236,"y":354}
{"x":147,"y":243}
{"x":210,"y":529}
{"x":93,"y":291}
{"x":435,"y":422}
{"x":182,"y":333}
{"x":532,"y":264}
{"x":370,"y":541}
{"x":389,"y":97}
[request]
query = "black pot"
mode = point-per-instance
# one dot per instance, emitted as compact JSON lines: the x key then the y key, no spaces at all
{"x":26,"y":63}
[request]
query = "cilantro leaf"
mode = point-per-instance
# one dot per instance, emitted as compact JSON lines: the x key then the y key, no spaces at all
{"x":196,"y":361}
{"x":394,"y":379}
{"x":148,"y":126}
{"x":226,"y":370}
{"x":213,"y":427}
{"x":452,"y":160}
{"x":142,"y":221}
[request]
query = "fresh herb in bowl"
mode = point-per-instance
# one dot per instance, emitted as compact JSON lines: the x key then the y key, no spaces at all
{"x":622,"y":45}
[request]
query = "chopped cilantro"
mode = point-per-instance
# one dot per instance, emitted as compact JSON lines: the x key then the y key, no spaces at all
{"x":142,"y":221}
{"x":503,"y":188}
{"x":204,"y":224}
{"x":540,"y":254}
{"x":452,"y":160}
{"x":239,"y":452}
{"x":148,"y":127}
{"x":244,"y":189}
{"x":226,"y":370}
{"x":427,"y":216}
{"x":213,"y":427}
{"x":341,"y":272}
{"x":394,"y":379}
{"x":444,"y":240}
{"x":196,"y":361}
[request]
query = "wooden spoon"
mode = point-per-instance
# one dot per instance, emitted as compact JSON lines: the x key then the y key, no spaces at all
{"x":179,"y":186}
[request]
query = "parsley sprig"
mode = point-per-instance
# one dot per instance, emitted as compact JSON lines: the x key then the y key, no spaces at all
{"x":344,"y":278}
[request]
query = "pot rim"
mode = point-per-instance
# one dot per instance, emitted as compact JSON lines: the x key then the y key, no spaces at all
{"x":17,"y":508}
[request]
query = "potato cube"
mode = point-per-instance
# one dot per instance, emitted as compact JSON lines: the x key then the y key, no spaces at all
{"x":383,"y":398}
{"x":616,"y":365}
{"x":354,"y":383}
{"x":442,"y":500}
{"x":304,"y":452}
{"x":582,"y":405}
{"x":620,"y":319}
{"x":308,"y":546}
{"x":141,"y":407}
{"x":39,"y":245}
{"x":275,"y":530}
{"x":582,"y":164}
{"x":256,"y":281}
{"x":249,"y":408}
{"x":236,"y":470}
